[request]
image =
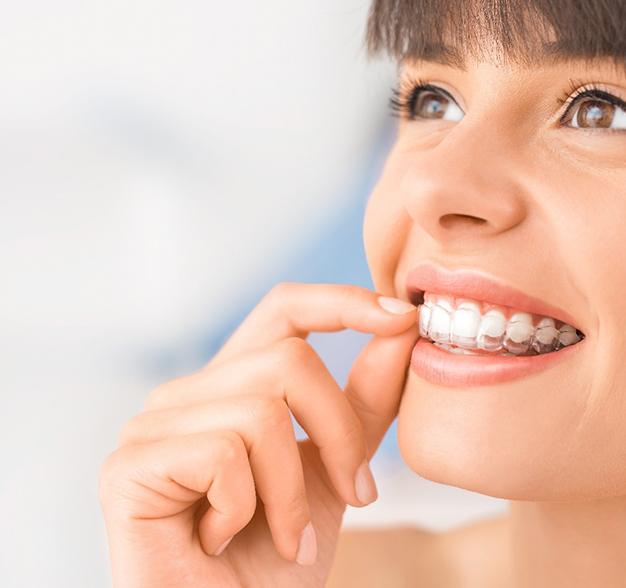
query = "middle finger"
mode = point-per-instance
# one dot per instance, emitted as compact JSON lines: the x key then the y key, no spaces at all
{"x":290,"y":370}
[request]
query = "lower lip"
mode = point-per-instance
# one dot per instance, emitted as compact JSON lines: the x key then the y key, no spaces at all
{"x":441,"y":367}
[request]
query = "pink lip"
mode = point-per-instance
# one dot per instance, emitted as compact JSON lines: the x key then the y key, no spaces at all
{"x":448,"y":369}
{"x":465,"y":283}
{"x":441,"y":367}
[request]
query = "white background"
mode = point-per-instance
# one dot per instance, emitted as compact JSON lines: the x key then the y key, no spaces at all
{"x":158,"y":159}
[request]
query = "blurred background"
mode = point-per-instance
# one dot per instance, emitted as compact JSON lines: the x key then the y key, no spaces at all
{"x":163,"y":164}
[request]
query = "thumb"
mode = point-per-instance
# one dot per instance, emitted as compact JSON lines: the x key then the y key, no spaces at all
{"x":376,"y":381}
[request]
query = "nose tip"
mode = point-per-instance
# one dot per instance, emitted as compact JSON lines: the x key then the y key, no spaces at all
{"x":463,"y":191}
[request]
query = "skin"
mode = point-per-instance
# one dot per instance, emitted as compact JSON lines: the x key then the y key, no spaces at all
{"x":225,"y":434}
{"x":544,"y":200}
{"x":507,"y":190}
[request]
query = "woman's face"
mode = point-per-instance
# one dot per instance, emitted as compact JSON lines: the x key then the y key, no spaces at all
{"x":549,"y":205}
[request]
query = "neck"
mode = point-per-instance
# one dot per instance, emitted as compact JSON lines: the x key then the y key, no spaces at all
{"x":568,"y":543}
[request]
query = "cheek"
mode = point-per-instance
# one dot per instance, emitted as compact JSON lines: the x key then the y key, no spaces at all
{"x":372,"y":233}
{"x":375,"y":231}
{"x":385,"y":229}
{"x":602,"y":256}
{"x":593,"y":237}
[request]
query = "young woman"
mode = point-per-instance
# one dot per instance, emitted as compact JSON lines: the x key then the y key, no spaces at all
{"x":495,"y":240}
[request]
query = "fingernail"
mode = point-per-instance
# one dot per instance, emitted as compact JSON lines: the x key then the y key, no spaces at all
{"x":307,"y":548}
{"x":395,"y":305}
{"x":223,"y":546}
{"x":365,"y":485}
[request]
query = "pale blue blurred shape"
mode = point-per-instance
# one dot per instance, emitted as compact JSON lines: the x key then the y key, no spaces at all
{"x":335,"y":255}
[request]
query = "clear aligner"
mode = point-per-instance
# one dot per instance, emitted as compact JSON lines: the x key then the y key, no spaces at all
{"x":464,"y":327}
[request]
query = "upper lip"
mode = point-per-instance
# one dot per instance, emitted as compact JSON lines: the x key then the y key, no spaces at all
{"x":478,"y":285}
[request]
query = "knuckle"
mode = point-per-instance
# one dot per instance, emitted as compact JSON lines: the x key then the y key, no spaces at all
{"x":350,"y":435}
{"x":112,"y":471}
{"x":280,"y":295}
{"x":232,"y":455}
{"x":352,"y":293}
{"x":354,"y":297}
{"x":295,"y":506}
{"x":353,"y":433}
{"x":108,"y":468}
{"x":295,"y":350}
{"x":268,"y":411}
{"x":230,"y":446}
{"x":358,"y":404}
{"x":162,"y":395}
{"x":156,"y":396}
{"x":281,"y":290}
{"x":128,"y":432}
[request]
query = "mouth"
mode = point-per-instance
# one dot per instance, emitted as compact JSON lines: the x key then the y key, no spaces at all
{"x":468,"y":313}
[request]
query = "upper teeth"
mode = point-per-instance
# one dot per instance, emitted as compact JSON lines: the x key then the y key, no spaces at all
{"x":464,"y":325}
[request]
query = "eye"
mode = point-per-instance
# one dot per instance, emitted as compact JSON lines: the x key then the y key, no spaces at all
{"x":419,"y":100}
{"x":592,"y":108}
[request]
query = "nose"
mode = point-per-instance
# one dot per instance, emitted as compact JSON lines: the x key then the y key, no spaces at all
{"x":465,"y":187}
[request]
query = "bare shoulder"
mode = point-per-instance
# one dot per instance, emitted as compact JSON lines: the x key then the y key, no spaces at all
{"x":474,"y":555}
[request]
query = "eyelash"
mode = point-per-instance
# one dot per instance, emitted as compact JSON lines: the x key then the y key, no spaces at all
{"x":406,"y":93}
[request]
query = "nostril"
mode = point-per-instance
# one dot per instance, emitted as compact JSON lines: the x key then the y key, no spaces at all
{"x":449,"y":220}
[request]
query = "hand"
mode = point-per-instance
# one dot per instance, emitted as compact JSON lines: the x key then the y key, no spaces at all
{"x":179,"y":495}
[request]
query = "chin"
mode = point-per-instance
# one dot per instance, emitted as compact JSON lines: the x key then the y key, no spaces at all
{"x":515,"y":441}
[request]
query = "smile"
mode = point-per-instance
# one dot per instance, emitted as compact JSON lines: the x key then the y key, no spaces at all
{"x":474,"y":327}
{"x":477,"y":330}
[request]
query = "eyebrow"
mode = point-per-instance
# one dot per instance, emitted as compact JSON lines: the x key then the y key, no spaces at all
{"x":551,"y":53}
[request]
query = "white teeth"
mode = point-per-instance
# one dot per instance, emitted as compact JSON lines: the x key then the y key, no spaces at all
{"x":463,"y":327}
{"x":446,"y":302}
{"x":545,"y":322}
{"x":519,"y":332}
{"x":491,"y":330}
{"x":439,"y":327}
{"x":546,"y":336}
{"x":568,"y":335}
{"x":424,"y":318}
{"x":465,"y":324}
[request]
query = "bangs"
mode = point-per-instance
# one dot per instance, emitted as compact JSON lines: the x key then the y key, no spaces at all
{"x":523,"y":32}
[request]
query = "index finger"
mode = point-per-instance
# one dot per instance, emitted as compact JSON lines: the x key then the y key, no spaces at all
{"x":294,"y":309}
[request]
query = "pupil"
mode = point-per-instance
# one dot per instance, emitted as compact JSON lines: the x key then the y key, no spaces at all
{"x":595,"y":114}
{"x":432,"y":106}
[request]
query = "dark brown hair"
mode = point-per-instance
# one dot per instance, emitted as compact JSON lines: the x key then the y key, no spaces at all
{"x":523,"y":31}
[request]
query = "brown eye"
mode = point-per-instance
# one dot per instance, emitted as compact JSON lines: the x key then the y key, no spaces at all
{"x":597,"y":112}
{"x":594,"y":114}
{"x":428,"y":104}
{"x":418,"y":100}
